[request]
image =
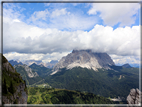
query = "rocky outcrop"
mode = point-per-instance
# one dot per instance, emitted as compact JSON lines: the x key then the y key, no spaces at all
{"x":134,"y":98}
{"x":84,"y":59}
{"x":8,"y":67}
{"x":29,"y":71}
{"x":19,"y":97}
{"x":14,"y":90}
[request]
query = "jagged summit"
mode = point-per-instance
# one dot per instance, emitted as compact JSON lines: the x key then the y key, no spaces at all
{"x":85,"y":59}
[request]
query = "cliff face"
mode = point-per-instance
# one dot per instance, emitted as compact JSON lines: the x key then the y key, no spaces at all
{"x":14,"y":90}
{"x":134,"y":97}
{"x":18,"y":97}
{"x":84,"y":59}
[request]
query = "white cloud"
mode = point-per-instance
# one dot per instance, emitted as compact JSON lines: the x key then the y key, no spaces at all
{"x":125,"y":59}
{"x":44,"y":57}
{"x":13,"y":11}
{"x":113,"y":13}
{"x":30,"y":42}
{"x":23,"y":38}
{"x":58,"y":12}
{"x":39,"y":15}
{"x":61,"y":19}
{"x":16,"y":20}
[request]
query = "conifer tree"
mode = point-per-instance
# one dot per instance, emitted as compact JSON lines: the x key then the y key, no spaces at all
{"x":4,"y":87}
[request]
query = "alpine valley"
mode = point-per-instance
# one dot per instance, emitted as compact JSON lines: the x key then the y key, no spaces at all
{"x":80,"y":72}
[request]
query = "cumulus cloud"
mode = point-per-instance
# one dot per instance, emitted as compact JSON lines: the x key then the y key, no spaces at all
{"x":114,"y":13}
{"x":119,"y":60}
{"x":51,"y":43}
{"x":44,"y":57}
{"x":22,"y":38}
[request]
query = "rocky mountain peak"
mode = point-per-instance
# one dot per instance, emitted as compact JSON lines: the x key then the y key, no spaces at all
{"x":85,"y":59}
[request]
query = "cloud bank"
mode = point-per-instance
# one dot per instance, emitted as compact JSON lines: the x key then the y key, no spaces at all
{"x":22,"y":38}
{"x":51,"y":34}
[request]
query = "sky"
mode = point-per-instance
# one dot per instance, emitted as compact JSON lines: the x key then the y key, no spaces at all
{"x":49,"y":31}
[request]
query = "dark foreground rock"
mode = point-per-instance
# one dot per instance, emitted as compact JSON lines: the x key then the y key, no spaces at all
{"x":14,"y":90}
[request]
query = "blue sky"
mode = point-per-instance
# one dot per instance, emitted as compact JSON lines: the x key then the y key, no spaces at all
{"x":52,"y":30}
{"x":77,"y":10}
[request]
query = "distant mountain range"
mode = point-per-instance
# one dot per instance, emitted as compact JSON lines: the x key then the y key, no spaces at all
{"x":85,"y":59}
{"x":32,"y":74}
{"x":12,"y":62}
{"x":30,"y":62}
{"x":132,"y":65}
{"x":85,"y":70}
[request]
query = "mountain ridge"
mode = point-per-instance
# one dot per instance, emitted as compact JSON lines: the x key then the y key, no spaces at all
{"x":29,"y":71}
{"x":85,"y":59}
{"x":126,"y":65}
{"x":30,"y":62}
{"x":12,"y":62}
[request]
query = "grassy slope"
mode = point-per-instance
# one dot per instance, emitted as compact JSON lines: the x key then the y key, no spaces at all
{"x":63,"y":96}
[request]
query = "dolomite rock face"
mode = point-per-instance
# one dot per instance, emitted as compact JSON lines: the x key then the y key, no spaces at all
{"x":84,"y":59}
{"x":134,"y":98}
